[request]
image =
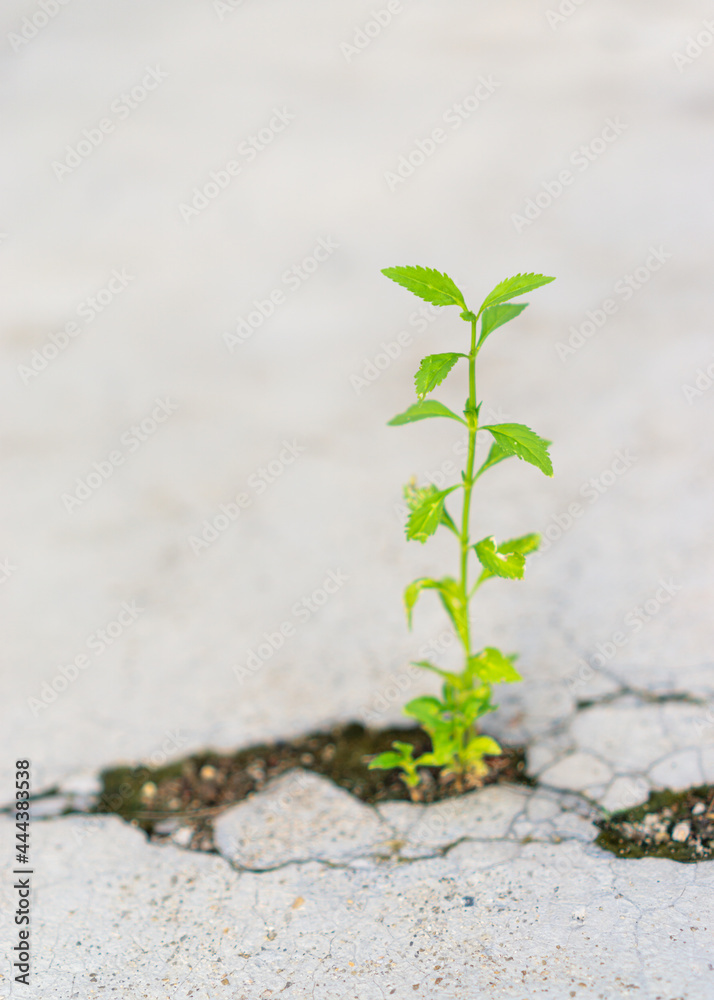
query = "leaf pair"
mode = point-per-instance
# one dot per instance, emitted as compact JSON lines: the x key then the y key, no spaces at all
{"x":440,"y":290}
{"x":510,"y":439}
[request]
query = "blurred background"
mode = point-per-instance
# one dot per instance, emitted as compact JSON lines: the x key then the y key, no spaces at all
{"x":198,"y":198}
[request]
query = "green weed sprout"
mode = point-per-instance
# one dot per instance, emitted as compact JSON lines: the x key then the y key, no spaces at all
{"x":451,"y":721}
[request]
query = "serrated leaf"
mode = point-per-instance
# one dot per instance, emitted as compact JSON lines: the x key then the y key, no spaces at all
{"x":495,"y":455}
{"x":496,"y":563}
{"x":519,"y":440}
{"x":493,"y":667}
{"x":433,"y":370}
{"x":427,"y":284}
{"x":428,"y":515}
{"x":422,"y":410}
{"x":496,"y":316}
{"x":519,"y":284}
{"x":414,"y":495}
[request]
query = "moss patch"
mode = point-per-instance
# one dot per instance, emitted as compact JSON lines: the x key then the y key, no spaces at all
{"x":674,"y":825}
{"x":192,"y":791}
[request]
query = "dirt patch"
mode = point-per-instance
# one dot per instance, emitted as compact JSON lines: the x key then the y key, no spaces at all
{"x":675,"y":825}
{"x":180,"y":800}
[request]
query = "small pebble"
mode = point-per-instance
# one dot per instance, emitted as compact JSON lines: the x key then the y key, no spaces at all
{"x":207,"y":773}
{"x":698,"y":809}
{"x":183,"y":836}
{"x":681,"y":832}
{"x":148,"y":791}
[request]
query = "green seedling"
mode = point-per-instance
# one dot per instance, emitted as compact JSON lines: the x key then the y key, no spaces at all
{"x":451,"y":721}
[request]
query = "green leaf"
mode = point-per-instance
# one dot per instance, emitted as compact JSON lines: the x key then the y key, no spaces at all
{"x":456,"y":606}
{"x":525,"y":544}
{"x":386,"y":760}
{"x":415,"y":495}
{"x":479,"y":747}
{"x":509,"y":565}
{"x":433,"y":370}
{"x":493,"y":667}
{"x":452,"y":597}
{"x":428,"y":515}
{"x":519,"y":440}
{"x":476,"y":704}
{"x":427,"y":284}
{"x":496,"y":316}
{"x":420,"y":411}
{"x":495,"y":455}
{"x":426,"y":710}
{"x":412,"y":592}
{"x":514,"y":546}
{"x":519,"y":284}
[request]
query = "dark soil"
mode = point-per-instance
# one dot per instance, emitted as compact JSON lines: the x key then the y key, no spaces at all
{"x":675,"y":825}
{"x":190,"y":792}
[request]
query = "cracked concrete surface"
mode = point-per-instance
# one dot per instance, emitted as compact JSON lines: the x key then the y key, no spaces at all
{"x":115,"y":916}
{"x":503,"y":893}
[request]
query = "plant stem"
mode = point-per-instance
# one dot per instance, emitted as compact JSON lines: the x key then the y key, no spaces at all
{"x":469,"y":479}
